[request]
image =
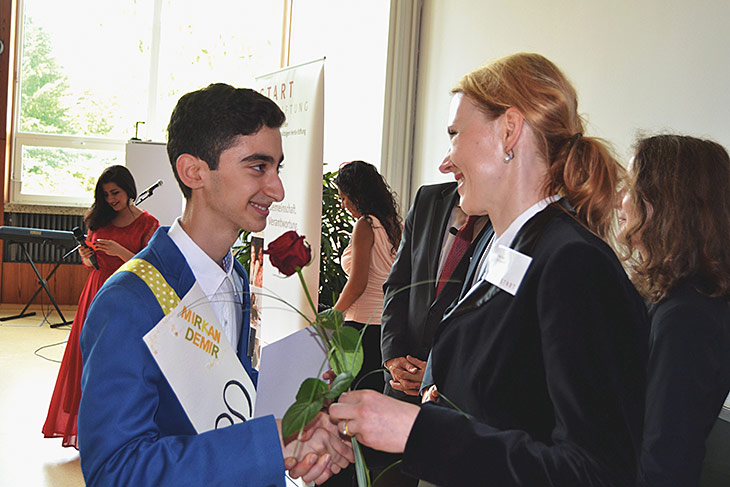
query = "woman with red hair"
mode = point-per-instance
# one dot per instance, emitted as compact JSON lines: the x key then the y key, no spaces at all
{"x":540,"y":364}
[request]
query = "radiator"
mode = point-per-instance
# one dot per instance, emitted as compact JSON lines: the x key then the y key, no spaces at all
{"x":41,"y":253}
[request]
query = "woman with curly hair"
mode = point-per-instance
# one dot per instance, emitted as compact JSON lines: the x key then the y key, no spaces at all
{"x":368,"y":258}
{"x":676,"y":216}
{"x":367,"y":261}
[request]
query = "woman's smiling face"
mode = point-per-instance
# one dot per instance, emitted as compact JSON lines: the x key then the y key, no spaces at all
{"x":475,"y":155}
{"x":115,"y":196}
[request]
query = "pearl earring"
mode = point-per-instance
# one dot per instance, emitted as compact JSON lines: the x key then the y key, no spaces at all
{"x":509,"y":156}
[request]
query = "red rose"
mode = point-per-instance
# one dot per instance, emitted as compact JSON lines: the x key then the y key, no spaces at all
{"x":289,"y":252}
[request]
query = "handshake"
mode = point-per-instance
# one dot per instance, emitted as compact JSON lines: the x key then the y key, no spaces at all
{"x":318,"y":453}
{"x":324,"y":448}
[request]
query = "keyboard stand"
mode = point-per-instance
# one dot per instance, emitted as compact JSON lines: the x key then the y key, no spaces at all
{"x":42,"y":285}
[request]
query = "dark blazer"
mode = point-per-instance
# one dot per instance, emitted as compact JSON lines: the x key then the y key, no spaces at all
{"x":552,"y":378}
{"x":688,"y":381}
{"x":410,"y":312}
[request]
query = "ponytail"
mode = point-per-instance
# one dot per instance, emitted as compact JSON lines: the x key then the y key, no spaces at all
{"x":585,"y":171}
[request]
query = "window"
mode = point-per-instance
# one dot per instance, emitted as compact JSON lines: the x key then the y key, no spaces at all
{"x":88,"y":71}
{"x":356,"y":53}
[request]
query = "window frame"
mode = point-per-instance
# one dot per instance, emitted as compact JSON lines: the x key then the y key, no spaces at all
{"x":19,"y":140}
{"x":23,"y":139}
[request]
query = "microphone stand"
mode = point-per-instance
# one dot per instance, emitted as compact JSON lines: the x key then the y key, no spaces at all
{"x":147,"y":192}
{"x":143,"y":197}
{"x":70,"y":252}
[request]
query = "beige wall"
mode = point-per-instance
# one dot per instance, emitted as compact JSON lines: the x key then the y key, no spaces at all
{"x":657,"y":65}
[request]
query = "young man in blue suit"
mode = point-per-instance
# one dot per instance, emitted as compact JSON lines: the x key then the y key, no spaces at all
{"x":225,"y":149}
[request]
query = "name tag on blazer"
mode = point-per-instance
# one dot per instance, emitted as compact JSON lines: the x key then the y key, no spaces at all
{"x":506,"y":267}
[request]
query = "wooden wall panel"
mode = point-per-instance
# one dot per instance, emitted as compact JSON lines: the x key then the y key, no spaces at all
{"x":68,"y":282}
{"x":17,"y":284}
{"x":20,"y":282}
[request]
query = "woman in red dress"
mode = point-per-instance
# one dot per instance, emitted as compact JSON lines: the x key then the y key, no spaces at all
{"x":117,"y":231}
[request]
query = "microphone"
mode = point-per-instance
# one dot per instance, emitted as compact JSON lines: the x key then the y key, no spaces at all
{"x":81,"y":240}
{"x":148,"y":192}
{"x":453,"y":231}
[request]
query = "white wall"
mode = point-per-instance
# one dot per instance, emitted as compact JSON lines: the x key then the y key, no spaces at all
{"x":353,"y":36}
{"x":148,"y":162}
{"x":656,"y":65}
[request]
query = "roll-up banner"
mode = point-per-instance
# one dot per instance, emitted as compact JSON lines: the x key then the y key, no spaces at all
{"x":299,"y":92}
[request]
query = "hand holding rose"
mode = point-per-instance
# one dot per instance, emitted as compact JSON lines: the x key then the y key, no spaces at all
{"x":376,"y":420}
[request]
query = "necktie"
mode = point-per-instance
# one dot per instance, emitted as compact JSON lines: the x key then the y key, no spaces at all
{"x":461,"y":243}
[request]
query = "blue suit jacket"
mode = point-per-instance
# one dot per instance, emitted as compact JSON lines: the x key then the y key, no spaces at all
{"x":132,"y":429}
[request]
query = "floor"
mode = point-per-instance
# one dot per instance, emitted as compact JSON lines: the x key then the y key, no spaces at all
{"x":26,"y":384}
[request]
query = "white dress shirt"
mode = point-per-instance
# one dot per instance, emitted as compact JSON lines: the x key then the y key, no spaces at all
{"x":219,"y":282}
{"x":509,"y":235}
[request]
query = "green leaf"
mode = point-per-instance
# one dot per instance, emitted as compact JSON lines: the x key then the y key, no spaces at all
{"x":347,"y":354}
{"x":330,"y":319}
{"x":339,"y":385}
{"x":312,"y":389}
{"x":361,"y":468}
{"x":336,"y":233}
{"x":382,"y":472}
{"x":298,"y":415}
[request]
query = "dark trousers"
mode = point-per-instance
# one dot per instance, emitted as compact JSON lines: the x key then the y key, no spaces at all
{"x":371,"y":358}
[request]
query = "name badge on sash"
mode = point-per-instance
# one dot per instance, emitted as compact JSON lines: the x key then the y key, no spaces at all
{"x":201,"y":365}
{"x":506,"y":267}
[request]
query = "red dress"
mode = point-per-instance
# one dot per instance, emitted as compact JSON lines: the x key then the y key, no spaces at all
{"x":61,"y":420}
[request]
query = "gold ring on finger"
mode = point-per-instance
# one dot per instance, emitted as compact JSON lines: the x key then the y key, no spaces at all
{"x":347,"y":432}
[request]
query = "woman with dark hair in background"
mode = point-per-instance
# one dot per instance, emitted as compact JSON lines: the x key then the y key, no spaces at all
{"x":367,"y":261}
{"x":544,"y":352}
{"x":117,"y":231}
{"x":368,"y":258}
{"x":676,"y":216}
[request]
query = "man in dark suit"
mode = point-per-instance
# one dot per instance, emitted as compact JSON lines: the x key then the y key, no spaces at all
{"x":413,"y":308}
{"x":413,"y":303}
